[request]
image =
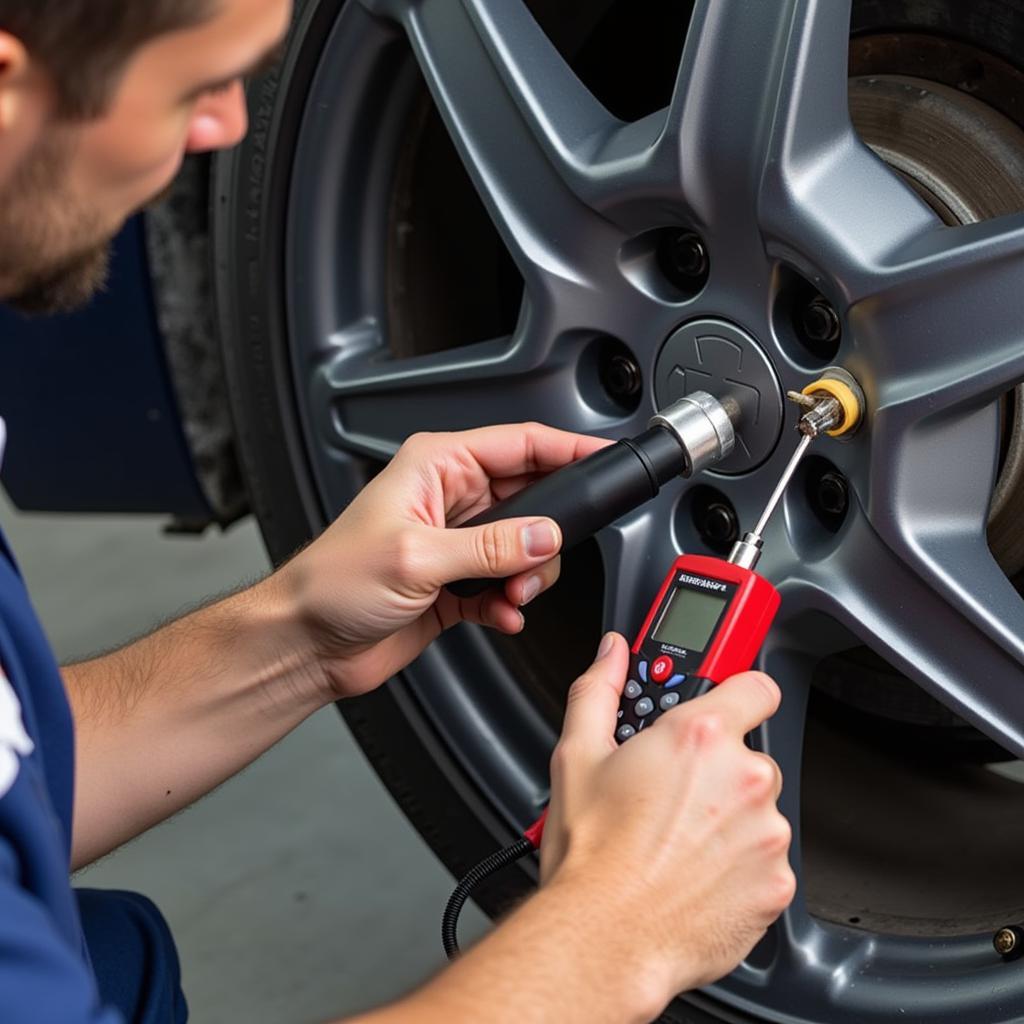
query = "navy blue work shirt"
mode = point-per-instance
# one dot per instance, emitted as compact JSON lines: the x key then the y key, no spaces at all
{"x":46,"y":972}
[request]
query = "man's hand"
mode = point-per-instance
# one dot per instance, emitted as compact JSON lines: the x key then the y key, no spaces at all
{"x":168,"y":718}
{"x":370,"y":589}
{"x":663,"y":863}
{"x":678,"y":828}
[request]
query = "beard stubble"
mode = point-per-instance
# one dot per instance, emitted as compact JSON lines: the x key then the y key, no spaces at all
{"x":54,"y":250}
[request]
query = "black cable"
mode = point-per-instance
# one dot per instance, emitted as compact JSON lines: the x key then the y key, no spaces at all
{"x":487,"y":867}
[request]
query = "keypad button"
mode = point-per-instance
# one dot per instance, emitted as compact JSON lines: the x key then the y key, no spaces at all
{"x":642,"y":670}
{"x":642,"y":707}
{"x":633,"y":689}
{"x":668,"y":700}
{"x":624,"y":732}
{"x":662,"y":668}
{"x":675,"y":681}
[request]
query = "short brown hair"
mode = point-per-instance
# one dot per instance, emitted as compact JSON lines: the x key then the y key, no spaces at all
{"x":86,"y":44}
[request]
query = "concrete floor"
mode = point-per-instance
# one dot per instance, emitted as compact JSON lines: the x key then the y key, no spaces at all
{"x":281,"y":911}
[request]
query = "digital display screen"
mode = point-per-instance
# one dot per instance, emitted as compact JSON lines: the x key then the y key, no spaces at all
{"x":689,"y":619}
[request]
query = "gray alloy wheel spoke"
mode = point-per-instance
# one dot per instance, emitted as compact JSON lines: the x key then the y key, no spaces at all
{"x":782,"y":737}
{"x":933,"y":602}
{"x":801,"y":636}
{"x":827,"y":204}
{"x":759,"y":115}
{"x":369,"y":403}
{"x":717,"y":125}
{"x":637,"y":552}
{"x":945,"y":330}
{"x":523,"y":123}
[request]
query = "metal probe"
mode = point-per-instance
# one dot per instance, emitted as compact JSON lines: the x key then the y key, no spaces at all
{"x":823,"y":414}
{"x":746,"y":552}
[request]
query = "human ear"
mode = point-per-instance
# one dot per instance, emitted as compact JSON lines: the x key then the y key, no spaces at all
{"x":14,"y":75}
{"x":26,"y":100}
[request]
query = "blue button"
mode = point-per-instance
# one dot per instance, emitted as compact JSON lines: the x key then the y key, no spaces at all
{"x":642,"y":670}
{"x":675,"y":681}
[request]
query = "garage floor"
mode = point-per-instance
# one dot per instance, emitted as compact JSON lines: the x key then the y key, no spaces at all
{"x":282,"y":911}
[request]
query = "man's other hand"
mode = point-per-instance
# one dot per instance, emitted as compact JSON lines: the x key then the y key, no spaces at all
{"x":673,"y":839}
{"x":370,"y":590}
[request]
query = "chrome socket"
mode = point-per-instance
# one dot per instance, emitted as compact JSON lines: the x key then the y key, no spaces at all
{"x":704,"y":426}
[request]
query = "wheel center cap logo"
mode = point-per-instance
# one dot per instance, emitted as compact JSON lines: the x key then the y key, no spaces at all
{"x":716,"y":356}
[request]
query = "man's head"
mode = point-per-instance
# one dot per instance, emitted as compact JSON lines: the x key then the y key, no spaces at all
{"x":100,"y":100}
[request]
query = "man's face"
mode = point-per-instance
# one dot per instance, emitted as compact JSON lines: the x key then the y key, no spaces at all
{"x":71,"y":193}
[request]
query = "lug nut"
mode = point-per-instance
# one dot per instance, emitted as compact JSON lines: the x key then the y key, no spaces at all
{"x":622,"y":377}
{"x":820,"y":322}
{"x":833,"y":494}
{"x":684,"y":259}
{"x":1007,"y":941}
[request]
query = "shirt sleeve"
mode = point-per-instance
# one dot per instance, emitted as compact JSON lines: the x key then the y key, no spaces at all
{"x":42,"y":980}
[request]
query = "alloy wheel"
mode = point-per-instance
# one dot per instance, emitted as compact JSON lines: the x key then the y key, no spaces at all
{"x":757,"y":158}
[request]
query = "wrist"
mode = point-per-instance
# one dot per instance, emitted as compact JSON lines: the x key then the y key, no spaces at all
{"x":572,"y":949}
{"x":298,"y":592}
{"x":269,"y":632}
{"x":639,"y":972}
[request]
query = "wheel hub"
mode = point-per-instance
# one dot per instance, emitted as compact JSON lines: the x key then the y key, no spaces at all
{"x":719,"y":357}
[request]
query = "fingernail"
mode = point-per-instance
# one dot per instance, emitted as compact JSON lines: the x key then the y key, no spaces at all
{"x":531,"y":588}
{"x":606,"y":645}
{"x":540,"y":539}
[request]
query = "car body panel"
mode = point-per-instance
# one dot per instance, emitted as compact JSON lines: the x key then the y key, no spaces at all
{"x":93,"y":422}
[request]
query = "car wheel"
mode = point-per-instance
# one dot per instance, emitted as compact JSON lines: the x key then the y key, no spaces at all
{"x":454,"y":213}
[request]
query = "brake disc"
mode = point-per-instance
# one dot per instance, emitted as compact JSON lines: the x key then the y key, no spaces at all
{"x":967,"y":161}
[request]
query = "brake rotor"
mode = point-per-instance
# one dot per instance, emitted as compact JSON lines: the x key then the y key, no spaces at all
{"x":966,"y":160}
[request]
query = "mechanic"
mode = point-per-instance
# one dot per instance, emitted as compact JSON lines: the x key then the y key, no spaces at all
{"x":664,"y":861}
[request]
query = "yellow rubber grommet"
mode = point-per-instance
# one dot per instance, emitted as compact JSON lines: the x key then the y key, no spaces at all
{"x":846,"y":398}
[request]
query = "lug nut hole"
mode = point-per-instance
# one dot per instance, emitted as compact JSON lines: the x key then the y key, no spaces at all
{"x":683,"y":259}
{"x":827,"y":491}
{"x":714,"y":518}
{"x":805,"y":321}
{"x":819,"y":323}
{"x":609,"y":377}
{"x":621,"y":377}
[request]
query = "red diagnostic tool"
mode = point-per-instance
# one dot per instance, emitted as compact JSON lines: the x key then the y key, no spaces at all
{"x":707,"y":623}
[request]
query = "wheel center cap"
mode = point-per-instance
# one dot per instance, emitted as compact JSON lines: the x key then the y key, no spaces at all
{"x":718,"y":357}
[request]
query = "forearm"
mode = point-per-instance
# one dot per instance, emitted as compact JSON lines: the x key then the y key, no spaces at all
{"x":561,"y":957}
{"x":169,"y":718}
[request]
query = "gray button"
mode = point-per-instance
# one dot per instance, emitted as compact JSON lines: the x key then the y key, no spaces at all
{"x":668,"y":700}
{"x":625,"y":731}
{"x":643,"y":707}
{"x":633,"y":689}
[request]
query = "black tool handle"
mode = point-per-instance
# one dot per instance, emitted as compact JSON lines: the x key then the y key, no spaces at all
{"x":586,"y":496}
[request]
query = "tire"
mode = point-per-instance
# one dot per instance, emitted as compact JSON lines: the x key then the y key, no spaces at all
{"x":461,"y":813}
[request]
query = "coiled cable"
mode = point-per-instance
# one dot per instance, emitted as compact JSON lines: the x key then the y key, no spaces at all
{"x":487,"y":867}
